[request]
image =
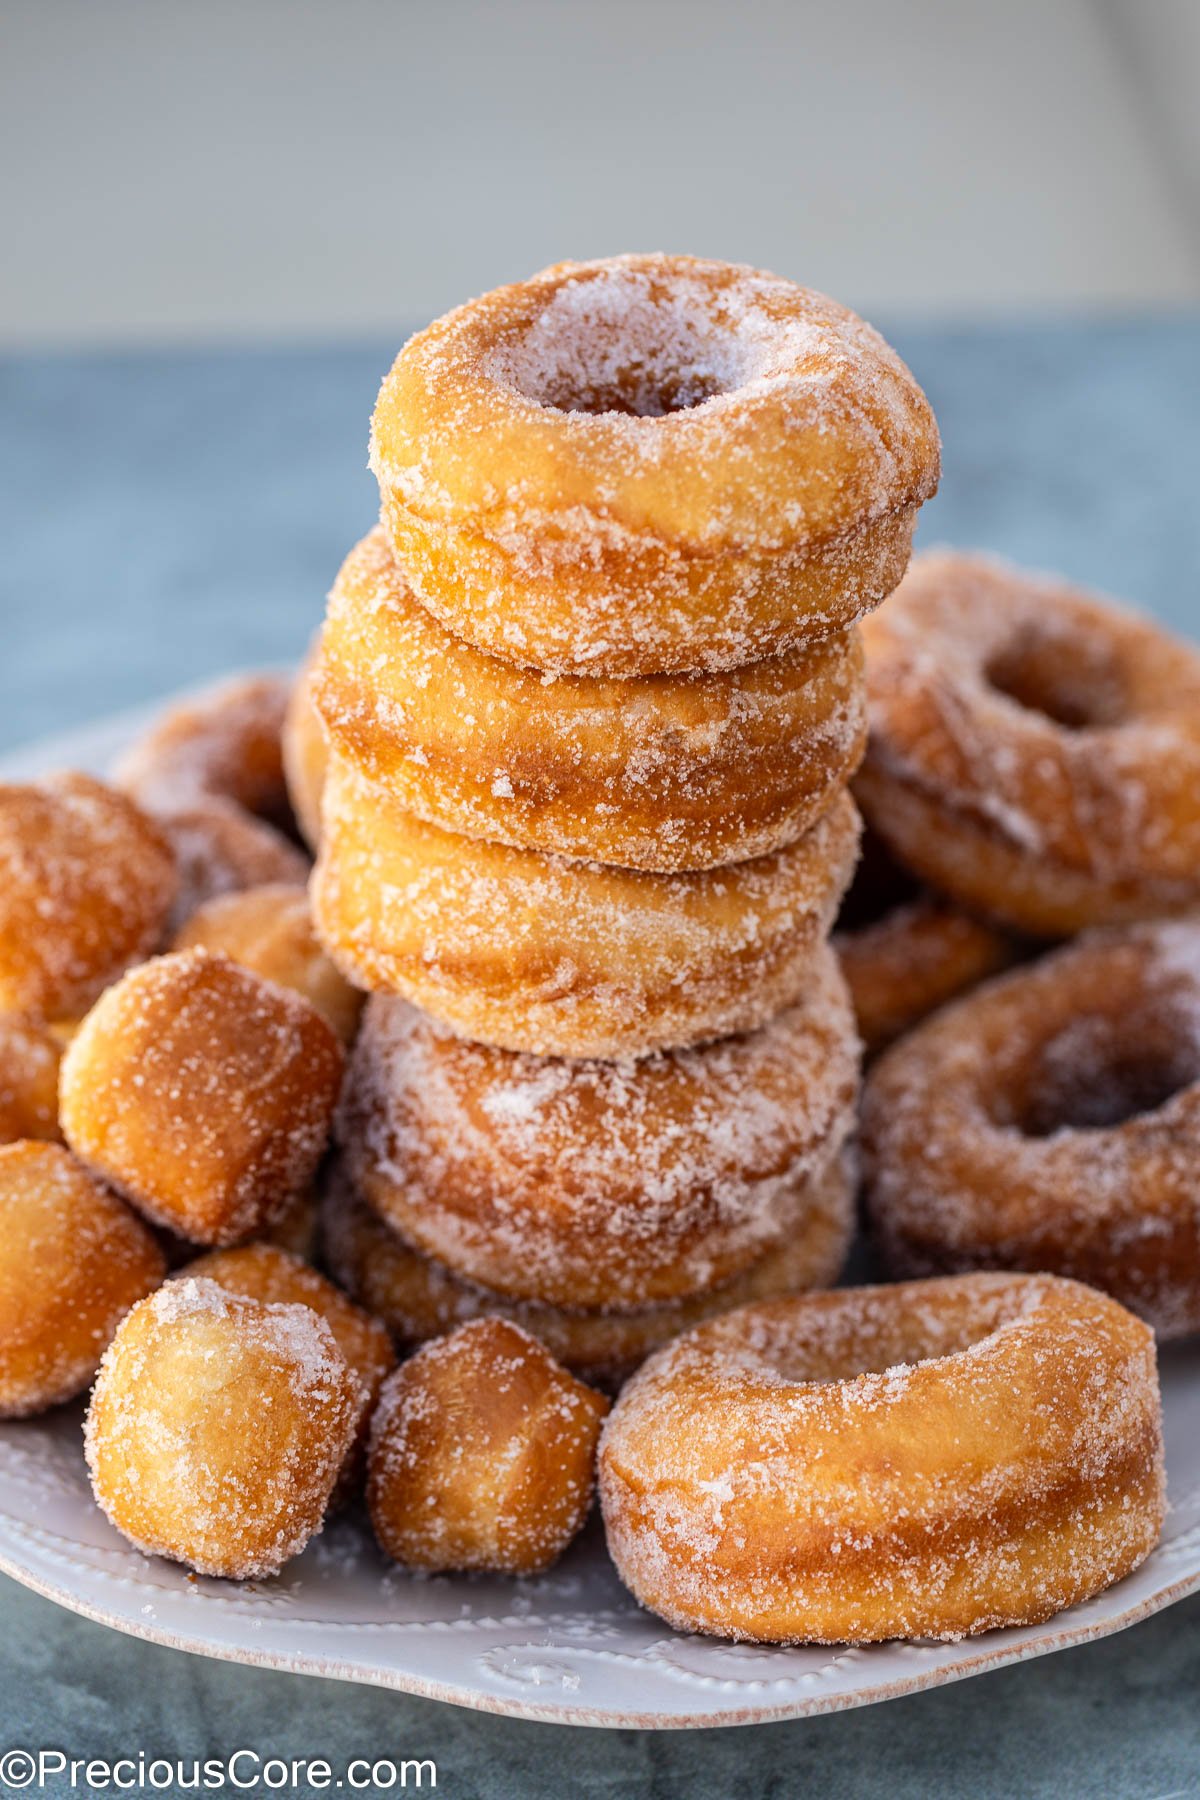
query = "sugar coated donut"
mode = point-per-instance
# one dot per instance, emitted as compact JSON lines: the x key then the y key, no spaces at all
{"x":29,"y":1058}
{"x":211,"y":772}
{"x":263,"y":1271}
{"x":225,"y":744}
{"x":86,"y":883}
{"x":218,"y":1427}
{"x":570,"y":959}
{"x":418,"y":1298}
{"x":482,"y":1453}
{"x":202,"y":1093}
{"x":220,"y":848}
{"x":1052,"y":1121}
{"x":270,"y":930}
{"x":1035,"y":751}
{"x":928,"y":1460}
{"x":305,"y":754}
{"x":660,"y":773}
{"x":905,"y":951}
{"x":651,"y":464}
{"x":73,"y":1260}
{"x":599,"y":1184}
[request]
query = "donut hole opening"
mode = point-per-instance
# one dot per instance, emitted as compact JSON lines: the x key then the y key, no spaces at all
{"x":1072,"y":682}
{"x":880,"y":887}
{"x":619,"y":345}
{"x":1097,"y":1074}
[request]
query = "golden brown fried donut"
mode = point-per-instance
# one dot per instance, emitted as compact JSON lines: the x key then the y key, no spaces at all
{"x":225,"y":744}
{"x":418,"y":1298}
{"x":650,"y":464}
{"x":905,"y":951}
{"x":269,"y":930}
{"x":73,"y":1260}
{"x":482,"y":1453}
{"x":1052,"y":1121}
{"x":662,"y":773}
{"x":86,"y":882}
{"x":222,"y":849}
{"x":262,"y":1271}
{"x":1035,"y":751}
{"x":29,"y":1058}
{"x":928,"y":1460}
{"x":218,"y":1426}
{"x":202,"y":1093}
{"x":599,"y":1184}
{"x":570,"y":959}
{"x":211,"y":772}
{"x":305,"y":753}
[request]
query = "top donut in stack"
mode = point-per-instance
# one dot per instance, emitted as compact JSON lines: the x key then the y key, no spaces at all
{"x":593,"y":688}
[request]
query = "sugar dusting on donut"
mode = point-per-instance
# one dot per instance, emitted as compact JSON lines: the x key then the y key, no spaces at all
{"x":165,"y":1432}
{"x":1052,"y":1120}
{"x":927,"y":1460}
{"x":588,"y":1183}
{"x":1068,"y":725}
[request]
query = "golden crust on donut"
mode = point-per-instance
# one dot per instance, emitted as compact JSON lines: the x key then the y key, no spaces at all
{"x":1052,"y":1121}
{"x":1034,"y":750}
{"x":905,"y":951}
{"x":662,"y":773}
{"x":270,"y":931}
{"x":418,"y":1298}
{"x":650,"y":464}
{"x":202,"y":1093}
{"x":599,"y":1184}
{"x":86,"y":882}
{"x":29,"y":1059}
{"x":220,"y":848}
{"x":928,"y":1460}
{"x":570,"y":959}
{"x":218,"y":1427}
{"x":73,"y":1260}
{"x":225,"y":744}
{"x":483,"y":1453}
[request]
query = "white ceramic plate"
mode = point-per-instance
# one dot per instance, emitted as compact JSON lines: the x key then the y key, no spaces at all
{"x":570,"y":1647}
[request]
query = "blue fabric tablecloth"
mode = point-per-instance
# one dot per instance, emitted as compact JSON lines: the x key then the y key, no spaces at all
{"x":167,"y":516}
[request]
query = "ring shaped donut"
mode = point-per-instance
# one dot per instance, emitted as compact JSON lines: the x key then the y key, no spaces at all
{"x":599,"y":1183}
{"x":1052,"y":1121}
{"x":305,"y":754}
{"x":659,"y":773}
{"x":905,"y":951}
{"x":1035,"y":751}
{"x":569,"y":959}
{"x":418,"y":1298}
{"x":926,"y":1460}
{"x":651,"y":464}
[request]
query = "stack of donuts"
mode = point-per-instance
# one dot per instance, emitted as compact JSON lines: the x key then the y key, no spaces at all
{"x":592,"y":694}
{"x":574,"y":751}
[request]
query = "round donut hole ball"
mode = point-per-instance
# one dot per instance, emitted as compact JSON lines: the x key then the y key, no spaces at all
{"x":305,"y":752}
{"x":73,"y":1260}
{"x":218,"y":1427}
{"x":269,"y":930}
{"x":86,"y":884}
{"x":203,"y":1093}
{"x":264,"y":1272}
{"x":220,"y":848}
{"x":29,"y":1059}
{"x":482,"y":1454}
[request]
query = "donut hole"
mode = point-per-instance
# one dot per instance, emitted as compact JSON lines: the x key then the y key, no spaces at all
{"x":1098,"y":1073}
{"x":1072,"y":681}
{"x":614,"y":345}
{"x":880,"y":887}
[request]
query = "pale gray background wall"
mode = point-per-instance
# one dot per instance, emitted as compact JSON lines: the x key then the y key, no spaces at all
{"x":268,"y":168}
